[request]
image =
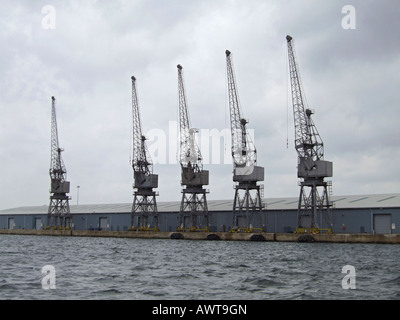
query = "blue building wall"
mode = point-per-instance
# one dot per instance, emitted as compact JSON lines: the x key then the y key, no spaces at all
{"x":344,"y":220}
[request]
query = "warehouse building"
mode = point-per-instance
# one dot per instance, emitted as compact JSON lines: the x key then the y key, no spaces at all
{"x":378,"y":213}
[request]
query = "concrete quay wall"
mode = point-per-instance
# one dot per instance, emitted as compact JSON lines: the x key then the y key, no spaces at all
{"x":225,"y":236}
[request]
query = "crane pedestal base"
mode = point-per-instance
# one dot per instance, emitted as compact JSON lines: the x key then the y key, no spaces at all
{"x":193,"y":213}
{"x":247,"y":202}
{"x":313,"y":206}
{"x":143,"y":209}
{"x":59,"y":214}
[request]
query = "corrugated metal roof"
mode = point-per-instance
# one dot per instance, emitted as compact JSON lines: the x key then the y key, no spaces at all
{"x":290,"y":203}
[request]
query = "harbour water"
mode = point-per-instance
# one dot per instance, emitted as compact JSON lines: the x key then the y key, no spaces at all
{"x":158,"y":269}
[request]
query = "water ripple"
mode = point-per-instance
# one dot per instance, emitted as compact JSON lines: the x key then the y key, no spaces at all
{"x":112,"y":268}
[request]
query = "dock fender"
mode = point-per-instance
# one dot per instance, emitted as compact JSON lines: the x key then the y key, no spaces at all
{"x":306,"y":238}
{"x":213,"y":236}
{"x":257,"y":237}
{"x":176,"y":235}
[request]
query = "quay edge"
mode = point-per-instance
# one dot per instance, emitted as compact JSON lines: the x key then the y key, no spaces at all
{"x":210,"y":236}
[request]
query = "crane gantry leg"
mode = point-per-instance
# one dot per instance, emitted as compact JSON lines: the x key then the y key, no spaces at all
{"x":193,"y":213}
{"x":59,"y":214}
{"x":313,"y":207}
{"x":143,"y":209}
{"x":246,"y":204}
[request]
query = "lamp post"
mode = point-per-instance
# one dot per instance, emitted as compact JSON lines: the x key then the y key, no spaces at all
{"x":77,"y":197}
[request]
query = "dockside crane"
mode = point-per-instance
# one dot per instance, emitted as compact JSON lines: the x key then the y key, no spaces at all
{"x":246,"y":173}
{"x":314,"y":199}
{"x":144,"y":202}
{"x":58,"y":214}
{"x":193,"y":214}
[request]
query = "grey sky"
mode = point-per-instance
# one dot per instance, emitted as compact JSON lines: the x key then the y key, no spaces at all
{"x":350,"y":78}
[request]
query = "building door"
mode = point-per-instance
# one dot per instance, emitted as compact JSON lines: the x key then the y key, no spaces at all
{"x":11,"y":223}
{"x":103,"y":223}
{"x":38,"y":223}
{"x":382,"y":223}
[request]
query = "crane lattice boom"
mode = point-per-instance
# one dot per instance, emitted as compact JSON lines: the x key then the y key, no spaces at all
{"x":141,"y":161}
{"x":243,"y":150}
{"x":190,"y":155}
{"x":57,"y":167}
{"x":308,"y":142}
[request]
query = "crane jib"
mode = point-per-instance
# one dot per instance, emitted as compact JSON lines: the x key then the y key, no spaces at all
{"x":190,"y":155}
{"x":243,"y":149}
{"x":308,"y":142}
{"x":141,"y":160}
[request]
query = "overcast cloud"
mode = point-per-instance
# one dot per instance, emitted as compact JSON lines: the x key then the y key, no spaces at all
{"x":351,"y":79}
